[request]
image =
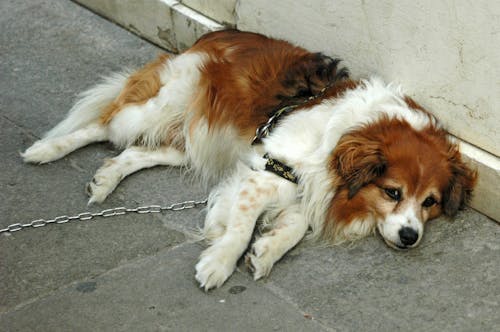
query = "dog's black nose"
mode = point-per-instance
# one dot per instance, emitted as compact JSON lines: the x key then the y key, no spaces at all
{"x":408,"y":236}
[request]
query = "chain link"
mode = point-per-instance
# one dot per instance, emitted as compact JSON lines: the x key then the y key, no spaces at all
{"x":118,"y":211}
{"x":263,"y":130}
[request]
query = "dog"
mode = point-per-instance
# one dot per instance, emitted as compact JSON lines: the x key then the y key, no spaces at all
{"x":335,"y":157}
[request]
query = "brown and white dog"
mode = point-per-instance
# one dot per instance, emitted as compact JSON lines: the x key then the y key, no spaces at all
{"x":366,"y":156}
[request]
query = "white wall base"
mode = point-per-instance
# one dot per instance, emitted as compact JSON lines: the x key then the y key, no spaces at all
{"x":166,"y":23}
{"x":486,"y":196}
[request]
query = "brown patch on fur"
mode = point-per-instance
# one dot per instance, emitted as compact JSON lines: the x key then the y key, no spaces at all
{"x":416,"y":106}
{"x":390,"y":151}
{"x":335,"y":91}
{"x":358,"y":160}
{"x":175,"y":137}
{"x":248,"y":76}
{"x":263,"y":191}
{"x":462,"y":182}
{"x":140,"y":86}
{"x":355,"y":208}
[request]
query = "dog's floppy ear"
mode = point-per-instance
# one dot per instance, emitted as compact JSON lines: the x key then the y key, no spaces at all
{"x":460,"y":186}
{"x":357,"y":160}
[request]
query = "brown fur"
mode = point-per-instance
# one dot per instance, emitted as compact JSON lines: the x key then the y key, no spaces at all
{"x":140,"y":86}
{"x":175,"y":137}
{"x":390,"y":153}
{"x":462,"y":182}
{"x":256,"y":74}
{"x":414,"y":105}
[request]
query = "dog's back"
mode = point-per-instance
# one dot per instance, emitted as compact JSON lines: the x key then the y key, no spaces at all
{"x":203,"y":105}
{"x":344,"y":163}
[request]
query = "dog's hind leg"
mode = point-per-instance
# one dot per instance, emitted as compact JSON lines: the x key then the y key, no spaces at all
{"x":288,"y":229}
{"x":53,"y":148}
{"x":129,"y":161}
{"x":81,"y":126}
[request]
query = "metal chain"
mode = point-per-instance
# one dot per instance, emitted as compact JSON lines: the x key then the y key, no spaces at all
{"x":263,"y":130}
{"x":118,"y":211}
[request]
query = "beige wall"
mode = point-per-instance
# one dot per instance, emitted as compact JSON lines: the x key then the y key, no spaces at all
{"x":445,"y":53}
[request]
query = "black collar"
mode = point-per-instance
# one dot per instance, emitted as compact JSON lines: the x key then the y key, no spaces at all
{"x":280,"y":169}
{"x":273,"y":165}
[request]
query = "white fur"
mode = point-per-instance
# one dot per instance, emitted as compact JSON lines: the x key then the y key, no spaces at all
{"x":253,"y":192}
{"x":287,"y":230}
{"x":390,"y":227}
{"x":214,"y":153}
{"x":358,"y":229}
{"x":90,"y":104}
{"x":80,"y":127}
{"x":129,"y":161}
{"x":303,"y":140}
{"x":54,"y":147}
{"x":150,"y":123}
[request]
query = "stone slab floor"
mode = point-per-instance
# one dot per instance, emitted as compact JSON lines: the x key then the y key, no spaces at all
{"x":136,"y":272}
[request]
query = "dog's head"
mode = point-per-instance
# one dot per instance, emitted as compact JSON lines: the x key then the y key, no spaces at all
{"x":397,"y":178}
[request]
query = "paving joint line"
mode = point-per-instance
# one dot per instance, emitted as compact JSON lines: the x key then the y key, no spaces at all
{"x":37,"y":298}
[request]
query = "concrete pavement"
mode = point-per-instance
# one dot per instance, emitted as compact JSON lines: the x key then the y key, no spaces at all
{"x":136,"y":272}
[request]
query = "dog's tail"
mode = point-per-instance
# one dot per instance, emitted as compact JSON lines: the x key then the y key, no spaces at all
{"x":90,"y":104}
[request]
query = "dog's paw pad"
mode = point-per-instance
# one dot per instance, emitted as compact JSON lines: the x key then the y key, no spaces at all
{"x":212,"y":272}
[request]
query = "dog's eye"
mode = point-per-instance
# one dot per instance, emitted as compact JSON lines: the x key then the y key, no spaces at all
{"x":429,"y":201}
{"x":393,"y":193}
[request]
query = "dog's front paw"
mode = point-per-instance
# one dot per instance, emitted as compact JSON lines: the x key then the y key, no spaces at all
{"x":259,"y":260}
{"x":213,"y":269}
{"x":100,"y":187}
{"x":42,"y":152}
